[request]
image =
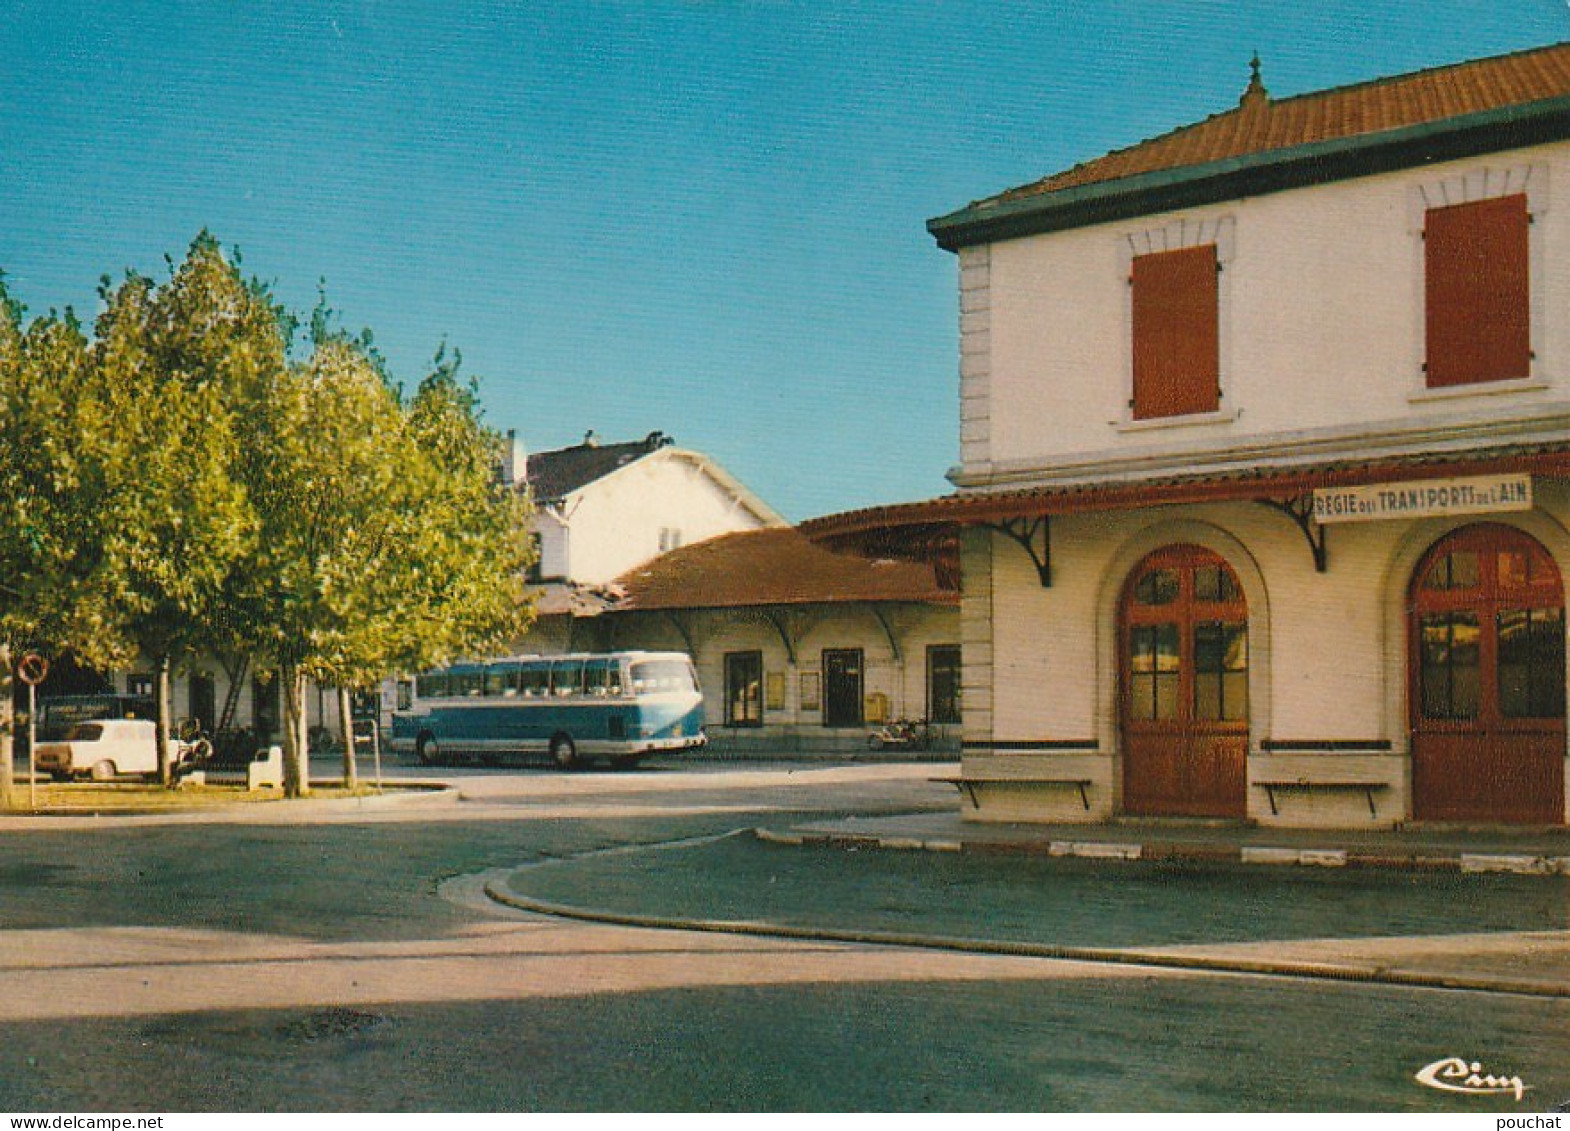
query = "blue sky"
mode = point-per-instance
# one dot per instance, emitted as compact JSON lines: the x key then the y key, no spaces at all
{"x":703,"y":217}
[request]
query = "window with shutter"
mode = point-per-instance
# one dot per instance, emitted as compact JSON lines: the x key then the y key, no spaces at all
{"x":1177,"y":354}
{"x":1478,"y":292}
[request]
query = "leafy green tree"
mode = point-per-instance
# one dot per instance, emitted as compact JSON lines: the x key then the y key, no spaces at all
{"x":53,"y":494}
{"x":172,"y":365}
{"x":384,"y":541}
{"x":179,"y":485}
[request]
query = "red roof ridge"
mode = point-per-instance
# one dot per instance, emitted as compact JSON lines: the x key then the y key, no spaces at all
{"x":1261,"y":123}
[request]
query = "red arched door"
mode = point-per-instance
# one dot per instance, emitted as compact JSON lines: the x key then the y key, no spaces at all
{"x":1487,"y":647}
{"x":1184,"y":631}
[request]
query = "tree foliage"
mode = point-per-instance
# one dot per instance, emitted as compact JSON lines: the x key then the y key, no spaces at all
{"x":179,"y":484}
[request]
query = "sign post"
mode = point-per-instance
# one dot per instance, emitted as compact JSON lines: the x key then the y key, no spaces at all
{"x":32,"y":671}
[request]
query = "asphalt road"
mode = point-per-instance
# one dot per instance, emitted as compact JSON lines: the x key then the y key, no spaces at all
{"x":351,"y":961}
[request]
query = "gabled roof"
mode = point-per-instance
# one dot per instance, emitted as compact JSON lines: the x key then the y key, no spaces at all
{"x":554,"y":475}
{"x":771,"y":566}
{"x":1266,"y":144}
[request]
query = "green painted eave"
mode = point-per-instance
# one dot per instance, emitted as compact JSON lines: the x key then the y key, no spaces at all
{"x":1254,"y":174}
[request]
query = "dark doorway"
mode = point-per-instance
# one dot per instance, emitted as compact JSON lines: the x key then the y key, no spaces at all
{"x":842,"y":687}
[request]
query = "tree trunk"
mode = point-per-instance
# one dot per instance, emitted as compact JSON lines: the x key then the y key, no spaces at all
{"x":296,"y":760}
{"x":7,"y":721}
{"x":162,"y":727}
{"x":346,"y":722}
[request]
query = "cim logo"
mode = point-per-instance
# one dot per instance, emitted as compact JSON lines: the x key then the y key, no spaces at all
{"x":1453,"y":1074}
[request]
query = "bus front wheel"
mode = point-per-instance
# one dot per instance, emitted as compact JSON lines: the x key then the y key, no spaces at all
{"x":427,"y":751}
{"x":563,"y":752}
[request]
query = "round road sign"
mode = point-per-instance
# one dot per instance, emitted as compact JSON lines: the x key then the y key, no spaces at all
{"x":33,"y":668}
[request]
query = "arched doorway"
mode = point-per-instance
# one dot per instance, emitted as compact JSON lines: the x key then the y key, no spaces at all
{"x":1487,"y":646}
{"x":1183,"y":630}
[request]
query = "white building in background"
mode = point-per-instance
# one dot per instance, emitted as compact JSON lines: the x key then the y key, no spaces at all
{"x":1263,"y":506}
{"x":602,"y":509}
{"x":645,"y":545}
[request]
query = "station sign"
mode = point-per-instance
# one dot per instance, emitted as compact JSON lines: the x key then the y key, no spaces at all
{"x":1426,"y":498}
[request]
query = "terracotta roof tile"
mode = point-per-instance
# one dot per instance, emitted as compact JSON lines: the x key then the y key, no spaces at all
{"x":1260,"y":124}
{"x":772,"y":566}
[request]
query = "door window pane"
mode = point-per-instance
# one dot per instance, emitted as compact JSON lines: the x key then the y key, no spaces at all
{"x":1515,"y":569}
{"x":1451,"y":686}
{"x":1214,"y":583}
{"x":1155,"y":669}
{"x":1220,"y":671}
{"x":1531,"y":663}
{"x":1456,"y":570}
{"x":1158,"y":587}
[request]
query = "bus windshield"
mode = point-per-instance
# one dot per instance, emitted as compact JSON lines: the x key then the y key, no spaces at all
{"x":662,"y":675}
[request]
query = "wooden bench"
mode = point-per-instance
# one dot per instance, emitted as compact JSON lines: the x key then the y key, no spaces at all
{"x":967,"y":785}
{"x":1367,"y":785}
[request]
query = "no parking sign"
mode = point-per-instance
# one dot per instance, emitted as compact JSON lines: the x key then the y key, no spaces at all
{"x":32,"y":669}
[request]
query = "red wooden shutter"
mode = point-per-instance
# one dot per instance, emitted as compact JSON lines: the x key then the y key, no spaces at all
{"x":1475,"y":258}
{"x":1177,"y":351}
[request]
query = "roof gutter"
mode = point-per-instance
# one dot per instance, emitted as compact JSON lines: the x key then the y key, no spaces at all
{"x":1165,"y":190}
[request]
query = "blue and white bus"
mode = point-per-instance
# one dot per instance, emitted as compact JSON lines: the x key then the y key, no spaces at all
{"x":614,"y":705}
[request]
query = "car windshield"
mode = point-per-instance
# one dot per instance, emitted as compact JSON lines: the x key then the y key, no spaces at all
{"x":662,"y":675}
{"x":85,"y":732}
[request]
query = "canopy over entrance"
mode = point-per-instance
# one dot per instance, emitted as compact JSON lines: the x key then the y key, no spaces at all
{"x":928,"y":531}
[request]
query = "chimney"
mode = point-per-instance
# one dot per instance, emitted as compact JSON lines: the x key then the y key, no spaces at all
{"x":515,"y":459}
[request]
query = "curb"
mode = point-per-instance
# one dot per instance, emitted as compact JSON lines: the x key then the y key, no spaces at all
{"x":1150,"y":959}
{"x":1191,"y":852}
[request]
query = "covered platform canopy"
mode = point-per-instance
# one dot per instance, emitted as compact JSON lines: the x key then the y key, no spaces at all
{"x":928,"y":531}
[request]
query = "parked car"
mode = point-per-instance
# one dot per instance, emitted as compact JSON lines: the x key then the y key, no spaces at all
{"x":103,"y":749}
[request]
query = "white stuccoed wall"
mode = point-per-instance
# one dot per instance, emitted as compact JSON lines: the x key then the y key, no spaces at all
{"x":1321,"y":320}
{"x":614,"y":523}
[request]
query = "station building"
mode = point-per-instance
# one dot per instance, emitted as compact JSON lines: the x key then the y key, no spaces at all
{"x":798,"y":650}
{"x":1263,"y":505}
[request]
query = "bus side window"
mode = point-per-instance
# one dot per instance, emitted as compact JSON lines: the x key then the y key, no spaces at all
{"x":614,"y":684}
{"x":566,"y":678}
{"x":499,"y":680}
{"x":534,"y":680}
{"x":596,"y":678}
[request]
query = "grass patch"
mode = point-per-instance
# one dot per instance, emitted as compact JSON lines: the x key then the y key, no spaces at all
{"x":101,"y":797}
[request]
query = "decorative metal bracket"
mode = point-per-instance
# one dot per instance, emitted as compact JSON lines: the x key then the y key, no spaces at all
{"x":1300,"y":509}
{"x":1034,"y":536}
